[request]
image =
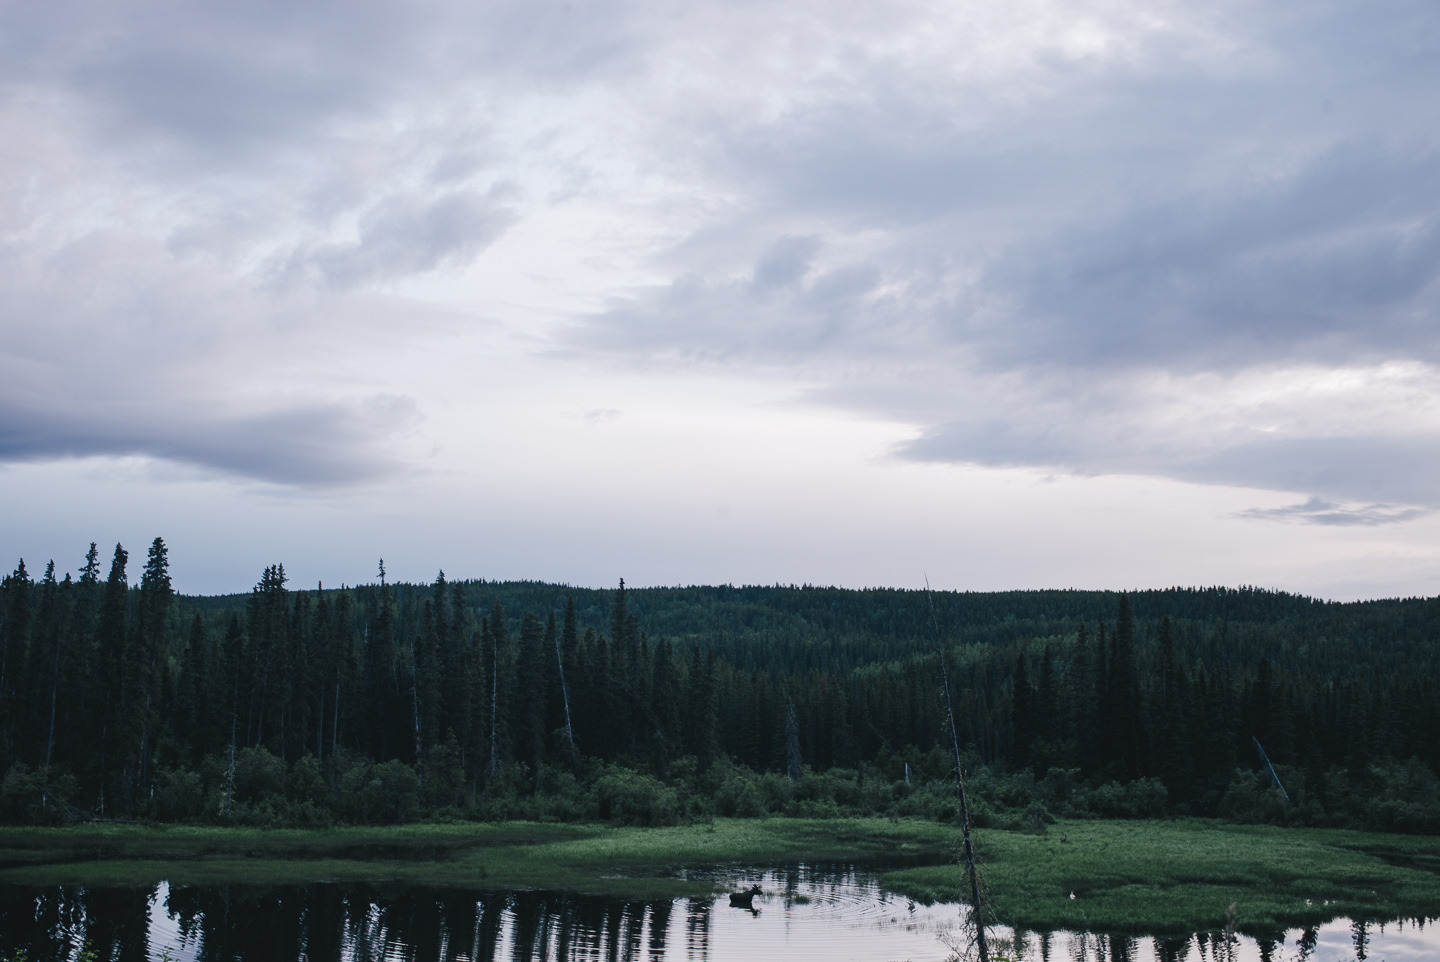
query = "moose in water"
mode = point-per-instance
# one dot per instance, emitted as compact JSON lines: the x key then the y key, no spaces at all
{"x":746,"y":899}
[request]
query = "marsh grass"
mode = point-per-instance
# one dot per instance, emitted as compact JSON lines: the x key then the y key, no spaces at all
{"x":600,"y":859}
{"x":1180,"y":877}
{"x":1126,"y":876}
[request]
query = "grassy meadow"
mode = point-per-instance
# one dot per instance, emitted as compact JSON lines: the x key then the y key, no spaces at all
{"x":1181,"y":876}
{"x":1135,"y":876}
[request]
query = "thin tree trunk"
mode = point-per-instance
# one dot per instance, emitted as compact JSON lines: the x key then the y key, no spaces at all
{"x":415,"y":705}
{"x":494,"y":713}
{"x":335,"y":728}
{"x":977,"y":919}
{"x":230,"y":774}
{"x":1266,"y":759}
{"x":564,"y":695}
{"x":54,"y":692}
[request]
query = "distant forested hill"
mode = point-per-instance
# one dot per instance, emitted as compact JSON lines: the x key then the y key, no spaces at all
{"x":385,"y":702}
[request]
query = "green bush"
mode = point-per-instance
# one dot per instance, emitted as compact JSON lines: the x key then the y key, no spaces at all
{"x":259,"y":775}
{"x":392,"y":794}
{"x":28,"y":797}
{"x":775,"y":790}
{"x":812,"y":808}
{"x":737,"y":795}
{"x":632,"y":798}
{"x":306,"y":782}
{"x":179,"y":796}
{"x":351,"y":772}
{"x":1142,"y":798}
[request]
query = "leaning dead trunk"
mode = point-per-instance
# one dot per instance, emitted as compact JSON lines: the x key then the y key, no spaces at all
{"x":1266,"y":759}
{"x":565,"y":698}
{"x":976,"y":917}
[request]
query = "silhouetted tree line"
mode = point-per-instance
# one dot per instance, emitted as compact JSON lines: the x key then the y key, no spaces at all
{"x":384,"y":702}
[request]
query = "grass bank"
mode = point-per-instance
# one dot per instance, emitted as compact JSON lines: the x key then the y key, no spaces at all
{"x":1125,"y":876}
{"x":600,"y":859}
{"x":1180,"y":877}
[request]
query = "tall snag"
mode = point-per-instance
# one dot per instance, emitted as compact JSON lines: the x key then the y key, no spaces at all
{"x":976,"y":916}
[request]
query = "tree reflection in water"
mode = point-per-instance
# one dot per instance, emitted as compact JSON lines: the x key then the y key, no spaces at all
{"x":360,"y":922}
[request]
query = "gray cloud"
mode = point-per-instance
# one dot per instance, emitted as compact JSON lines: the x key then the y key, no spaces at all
{"x":115,"y":349}
{"x":202,"y":206}
{"x":1391,"y":469}
{"x":405,"y":234}
{"x":1028,"y":264}
{"x":1322,"y":512}
{"x":308,"y":445}
{"x":785,"y":262}
{"x":1005,"y":239}
{"x":245,"y":85}
{"x":1395,"y":475}
{"x":1339,"y":260}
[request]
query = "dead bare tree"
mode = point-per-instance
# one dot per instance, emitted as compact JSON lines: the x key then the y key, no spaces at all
{"x":569,"y":730}
{"x":1266,"y":759}
{"x":977,"y":918}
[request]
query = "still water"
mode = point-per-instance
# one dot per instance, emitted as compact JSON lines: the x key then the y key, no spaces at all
{"x":819,"y":913}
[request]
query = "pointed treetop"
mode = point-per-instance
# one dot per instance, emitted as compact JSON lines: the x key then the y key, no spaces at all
{"x":117,"y":566}
{"x":156,"y":579}
{"x":90,"y":574}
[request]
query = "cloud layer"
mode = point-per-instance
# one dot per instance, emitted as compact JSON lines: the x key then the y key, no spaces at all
{"x":1097,"y":238}
{"x":1188,"y":250}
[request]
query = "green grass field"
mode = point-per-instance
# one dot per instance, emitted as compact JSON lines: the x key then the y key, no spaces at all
{"x":1180,"y":877}
{"x":1125,"y":876}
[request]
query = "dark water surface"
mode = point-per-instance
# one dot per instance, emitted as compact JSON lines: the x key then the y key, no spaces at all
{"x":807,"y":914}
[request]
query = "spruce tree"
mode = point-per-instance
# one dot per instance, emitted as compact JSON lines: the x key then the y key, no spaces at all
{"x":1121,"y":718}
{"x":1022,"y":714}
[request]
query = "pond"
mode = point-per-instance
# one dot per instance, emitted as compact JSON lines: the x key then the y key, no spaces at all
{"x":829,"y":913}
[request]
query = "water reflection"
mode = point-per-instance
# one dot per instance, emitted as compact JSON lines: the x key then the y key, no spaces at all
{"x":808,"y":913}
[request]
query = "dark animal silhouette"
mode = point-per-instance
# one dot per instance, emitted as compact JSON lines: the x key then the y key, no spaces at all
{"x":745,"y":900}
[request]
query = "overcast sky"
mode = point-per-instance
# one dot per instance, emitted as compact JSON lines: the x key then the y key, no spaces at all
{"x":1092,"y":293}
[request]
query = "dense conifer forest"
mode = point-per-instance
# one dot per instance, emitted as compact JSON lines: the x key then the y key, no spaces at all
{"x":383,"y":703}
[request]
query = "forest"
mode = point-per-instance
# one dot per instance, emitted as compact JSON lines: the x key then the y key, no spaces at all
{"x":474,"y":700}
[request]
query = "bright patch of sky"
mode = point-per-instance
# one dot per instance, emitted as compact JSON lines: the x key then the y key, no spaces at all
{"x":1023,"y":294}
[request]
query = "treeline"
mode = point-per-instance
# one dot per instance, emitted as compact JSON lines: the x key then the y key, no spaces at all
{"x":386,"y":702}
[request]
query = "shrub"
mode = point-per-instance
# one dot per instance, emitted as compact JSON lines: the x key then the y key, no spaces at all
{"x":306,"y":783}
{"x":1142,"y":798}
{"x":737,"y":795}
{"x":633,"y":798}
{"x":258,"y":775}
{"x":179,"y":796}
{"x":28,"y":797}
{"x":391,"y":795}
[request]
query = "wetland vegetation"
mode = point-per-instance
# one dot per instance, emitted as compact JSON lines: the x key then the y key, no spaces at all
{"x":1126,"y":876}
